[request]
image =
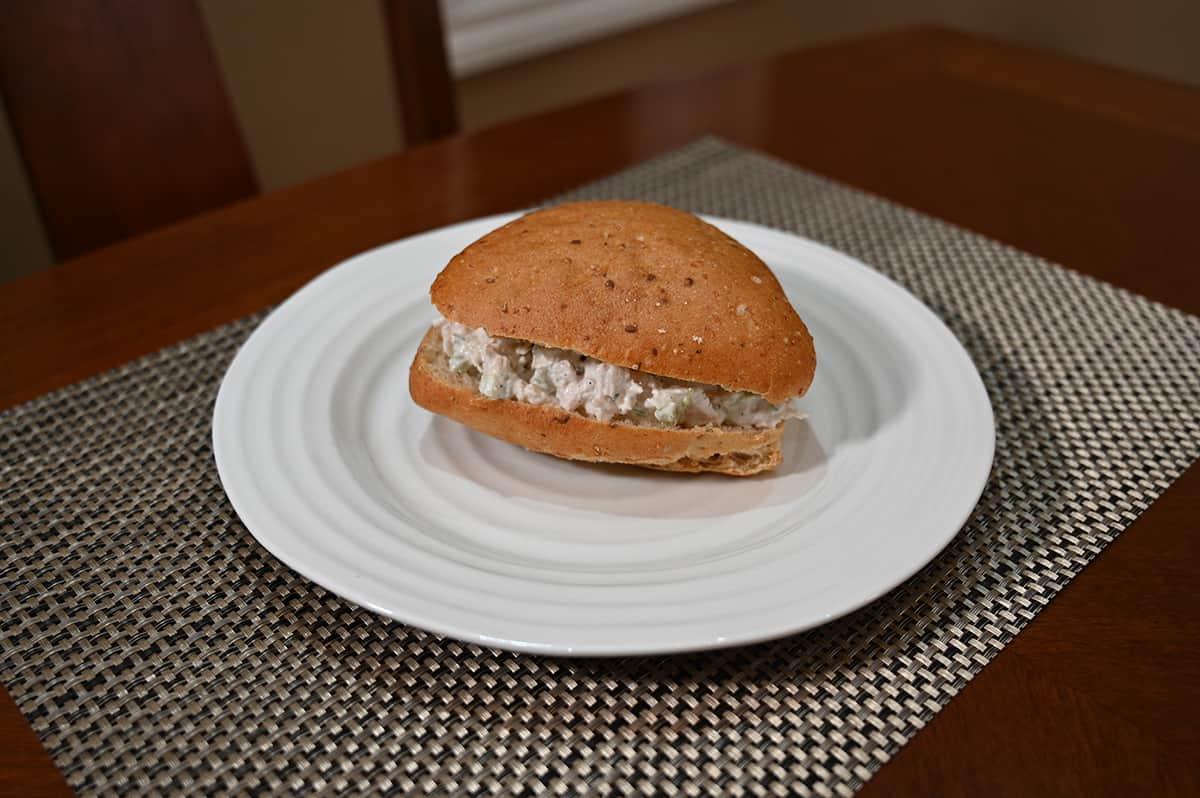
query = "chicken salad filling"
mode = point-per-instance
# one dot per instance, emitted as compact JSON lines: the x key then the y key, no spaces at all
{"x":508,"y":368}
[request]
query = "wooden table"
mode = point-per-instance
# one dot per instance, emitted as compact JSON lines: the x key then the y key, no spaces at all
{"x":1094,"y":168}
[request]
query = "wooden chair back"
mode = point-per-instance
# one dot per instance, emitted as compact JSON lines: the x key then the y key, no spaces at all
{"x":123,"y":122}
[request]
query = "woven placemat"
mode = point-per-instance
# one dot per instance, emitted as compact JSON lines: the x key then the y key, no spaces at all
{"x":154,"y":646}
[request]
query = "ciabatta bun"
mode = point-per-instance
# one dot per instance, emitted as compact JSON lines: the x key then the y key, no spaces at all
{"x":636,"y":285}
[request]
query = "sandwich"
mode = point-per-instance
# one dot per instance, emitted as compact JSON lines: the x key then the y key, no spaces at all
{"x":617,"y":332}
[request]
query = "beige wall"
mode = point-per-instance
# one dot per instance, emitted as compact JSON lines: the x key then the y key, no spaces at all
{"x":310,"y":84}
{"x":23,"y":245}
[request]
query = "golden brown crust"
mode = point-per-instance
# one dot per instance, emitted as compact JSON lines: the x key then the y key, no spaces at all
{"x":639,"y":285}
{"x":552,"y":430}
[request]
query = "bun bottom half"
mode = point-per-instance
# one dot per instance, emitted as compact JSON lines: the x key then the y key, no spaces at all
{"x":737,"y":451}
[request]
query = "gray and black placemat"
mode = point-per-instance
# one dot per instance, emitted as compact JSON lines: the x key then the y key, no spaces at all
{"x":154,"y":646}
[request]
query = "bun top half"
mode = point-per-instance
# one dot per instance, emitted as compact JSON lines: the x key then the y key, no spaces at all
{"x":638,"y":285}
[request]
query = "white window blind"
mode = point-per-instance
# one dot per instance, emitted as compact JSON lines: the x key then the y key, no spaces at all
{"x":483,"y":34}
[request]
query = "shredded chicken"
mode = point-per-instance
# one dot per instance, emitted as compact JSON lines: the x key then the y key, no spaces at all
{"x":508,"y":368}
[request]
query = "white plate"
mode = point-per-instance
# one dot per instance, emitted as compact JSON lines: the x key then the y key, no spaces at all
{"x":340,"y":475}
